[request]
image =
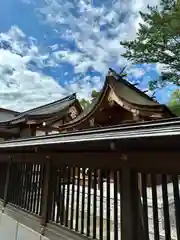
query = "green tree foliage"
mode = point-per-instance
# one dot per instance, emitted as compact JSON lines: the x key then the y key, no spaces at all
{"x":95,"y":94}
{"x":158,"y":41}
{"x":84,"y":103}
{"x":174,"y":102}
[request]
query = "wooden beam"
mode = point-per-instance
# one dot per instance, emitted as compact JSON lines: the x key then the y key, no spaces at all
{"x":155,"y":161}
{"x":146,"y":161}
{"x":81,"y":159}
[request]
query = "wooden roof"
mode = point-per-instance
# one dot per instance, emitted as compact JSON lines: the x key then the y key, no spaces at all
{"x":133,"y":96}
{"x":54,"y":109}
{"x":127,"y":94}
{"x":9,"y":111}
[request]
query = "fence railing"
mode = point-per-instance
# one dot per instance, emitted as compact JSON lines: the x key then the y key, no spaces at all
{"x":100,"y":189}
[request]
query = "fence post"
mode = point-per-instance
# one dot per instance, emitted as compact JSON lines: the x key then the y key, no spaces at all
{"x":131,"y":224}
{"x":7,"y":182}
{"x":45,"y":192}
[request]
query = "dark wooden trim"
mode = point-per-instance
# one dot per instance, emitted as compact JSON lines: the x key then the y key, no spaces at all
{"x":126,"y":206}
{"x":155,"y":161}
{"x":82,"y":158}
{"x":131,"y":214}
{"x":144,"y":161}
{"x":45,"y":194}
{"x":7,"y":182}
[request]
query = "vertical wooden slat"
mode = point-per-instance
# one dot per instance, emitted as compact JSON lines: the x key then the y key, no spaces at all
{"x":136,"y":207}
{"x":67,"y":197}
{"x":10,"y":197}
{"x":36,"y":188}
{"x":115,"y":207}
{"x":72,"y":199}
{"x":89,"y":201}
{"x":16,"y":191}
{"x":130,"y":215}
{"x":63,"y":169}
{"x":155,"y":207}
{"x":22,"y":185}
{"x":46,"y":193}
{"x":55,"y":192}
{"x":12,"y":181}
{"x":7,"y":187}
{"x":108,"y":207}
{"x":166,"y":208}
{"x":145,"y":205}
{"x":30,"y":187}
{"x":58,"y":200}
{"x":77,"y":200}
{"x":101,"y":205}
{"x":83,"y":199}
{"x":95,"y":204}
{"x":40,"y":181}
{"x":126,"y":207}
{"x":175,"y":181}
{"x":119,"y":191}
{"x":19,"y":184}
{"x":26,"y":200}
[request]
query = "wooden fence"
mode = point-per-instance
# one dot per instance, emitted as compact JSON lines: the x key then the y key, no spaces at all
{"x":130,"y":191}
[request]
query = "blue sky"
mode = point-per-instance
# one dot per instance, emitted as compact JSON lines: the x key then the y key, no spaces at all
{"x":51,"y":48}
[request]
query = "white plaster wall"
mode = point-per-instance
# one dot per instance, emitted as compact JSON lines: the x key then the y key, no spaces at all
{"x":53,"y":132}
{"x":40,"y":133}
{"x":11,"y":229}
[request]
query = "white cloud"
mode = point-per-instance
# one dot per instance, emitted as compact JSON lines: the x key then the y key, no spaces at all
{"x":95,"y":30}
{"x":21,"y":88}
{"x":84,"y":86}
{"x":136,"y":72}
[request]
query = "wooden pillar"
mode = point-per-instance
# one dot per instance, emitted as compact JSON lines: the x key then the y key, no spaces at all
{"x":131,"y":221}
{"x":46,"y":192}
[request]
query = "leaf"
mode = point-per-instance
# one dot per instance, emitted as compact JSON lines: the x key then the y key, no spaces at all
{"x":158,"y":41}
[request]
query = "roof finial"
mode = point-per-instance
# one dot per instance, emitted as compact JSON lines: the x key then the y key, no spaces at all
{"x":73,"y":96}
{"x":122,"y":70}
{"x":153,"y":96}
{"x":110,"y":72}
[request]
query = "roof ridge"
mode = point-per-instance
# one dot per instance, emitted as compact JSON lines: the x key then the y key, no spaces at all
{"x":69,"y":97}
{"x":115,"y":74}
{"x":9,"y":110}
